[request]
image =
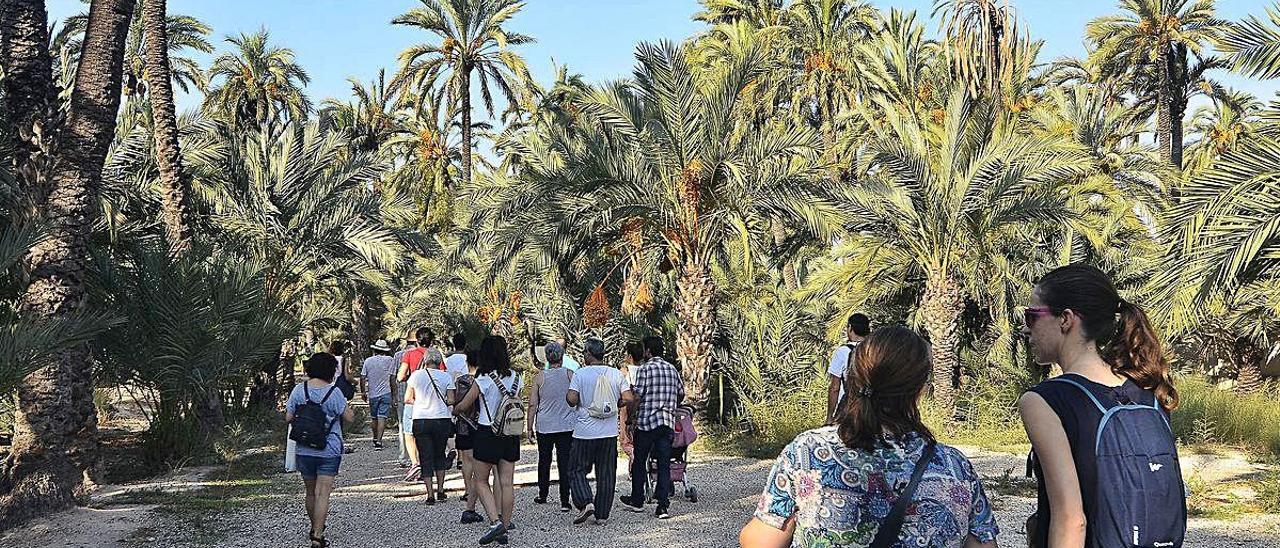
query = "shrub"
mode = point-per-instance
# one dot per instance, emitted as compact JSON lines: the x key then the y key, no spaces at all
{"x":1207,"y":414}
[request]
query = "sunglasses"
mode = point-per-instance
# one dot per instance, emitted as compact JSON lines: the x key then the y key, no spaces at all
{"x":1033,"y":313}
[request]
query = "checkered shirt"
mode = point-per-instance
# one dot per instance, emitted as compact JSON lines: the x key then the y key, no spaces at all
{"x":660,"y":389}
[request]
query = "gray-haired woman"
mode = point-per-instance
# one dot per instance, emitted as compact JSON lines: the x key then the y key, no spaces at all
{"x":551,"y":422}
{"x":431,"y":391}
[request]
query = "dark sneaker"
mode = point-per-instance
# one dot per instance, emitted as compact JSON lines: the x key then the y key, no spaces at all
{"x":539,"y":500}
{"x":496,"y":531}
{"x":471,"y":516}
{"x":413,"y":475}
{"x":564,"y":507}
{"x":587,"y":513}
{"x":377,"y":446}
{"x":511,"y":526}
{"x":431,"y":501}
{"x":631,"y":505}
{"x":661,"y":513}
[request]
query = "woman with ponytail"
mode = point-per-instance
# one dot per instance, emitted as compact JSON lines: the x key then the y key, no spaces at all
{"x":1110,"y":358}
{"x":877,"y":477}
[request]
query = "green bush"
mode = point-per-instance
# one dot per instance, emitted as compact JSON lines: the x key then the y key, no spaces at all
{"x":1209,"y":415}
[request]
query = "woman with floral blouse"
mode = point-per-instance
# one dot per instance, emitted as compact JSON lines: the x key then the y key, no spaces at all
{"x":834,"y":486}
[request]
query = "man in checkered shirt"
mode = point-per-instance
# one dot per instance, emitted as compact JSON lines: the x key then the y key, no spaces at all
{"x":658,"y":389}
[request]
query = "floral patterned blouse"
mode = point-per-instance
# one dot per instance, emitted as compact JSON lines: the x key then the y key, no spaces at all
{"x":839,"y":496}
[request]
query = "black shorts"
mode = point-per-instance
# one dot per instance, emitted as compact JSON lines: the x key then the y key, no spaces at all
{"x":431,"y":435}
{"x":465,"y":442}
{"x":491,"y":448}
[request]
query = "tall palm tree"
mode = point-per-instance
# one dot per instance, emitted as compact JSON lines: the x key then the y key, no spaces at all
{"x":981,"y":35}
{"x":1221,"y":126}
{"x":55,"y":434}
{"x":674,"y":165}
{"x":370,"y":119}
{"x":824,"y":34}
{"x":473,"y":44}
{"x":1152,"y":44}
{"x":943,"y":199}
{"x":175,"y":211}
{"x":261,"y":84}
{"x":182,"y":32}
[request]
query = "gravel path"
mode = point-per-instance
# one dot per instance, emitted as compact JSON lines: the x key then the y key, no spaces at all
{"x":371,"y":508}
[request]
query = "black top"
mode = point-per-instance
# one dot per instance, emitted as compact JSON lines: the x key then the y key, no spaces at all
{"x":1080,"y":418}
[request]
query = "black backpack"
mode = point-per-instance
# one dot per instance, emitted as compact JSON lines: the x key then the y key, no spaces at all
{"x":311,"y":426}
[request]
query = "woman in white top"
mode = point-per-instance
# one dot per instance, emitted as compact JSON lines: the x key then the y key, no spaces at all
{"x":495,"y":381}
{"x":431,"y":391}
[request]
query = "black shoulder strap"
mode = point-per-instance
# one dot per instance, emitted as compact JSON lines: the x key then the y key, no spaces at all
{"x":432,"y":378}
{"x":326,"y":394}
{"x":887,"y":534}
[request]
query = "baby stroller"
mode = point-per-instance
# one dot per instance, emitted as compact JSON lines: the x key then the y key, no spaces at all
{"x":682,"y":437}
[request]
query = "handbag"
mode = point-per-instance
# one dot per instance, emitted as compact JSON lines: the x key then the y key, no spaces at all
{"x":887,"y":534}
{"x":1033,"y":521}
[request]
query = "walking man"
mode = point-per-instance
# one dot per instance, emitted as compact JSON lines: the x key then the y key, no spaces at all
{"x":553,"y":421}
{"x":375,"y":384}
{"x":597,"y":390}
{"x":399,"y":408}
{"x":658,"y":391}
{"x":859,"y":328}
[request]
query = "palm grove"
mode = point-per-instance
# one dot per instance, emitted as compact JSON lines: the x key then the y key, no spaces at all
{"x":741,"y":192}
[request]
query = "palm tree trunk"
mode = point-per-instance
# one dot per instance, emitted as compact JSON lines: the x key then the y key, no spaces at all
{"x":466,"y":127}
{"x":789,"y":275}
{"x":695,"y":310}
{"x":29,"y":94}
{"x":940,"y":308}
{"x":55,"y":444}
{"x":1164,"y":108}
{"x":359,"y":331}
{"x":1249,"y":359}
{"x":165,"y":126}
{"x":207,"y":409}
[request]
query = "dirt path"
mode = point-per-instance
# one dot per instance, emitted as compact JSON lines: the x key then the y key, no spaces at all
{"x":372,"y":508}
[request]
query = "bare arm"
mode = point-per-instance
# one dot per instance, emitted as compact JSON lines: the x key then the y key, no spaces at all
{"x":450,"y":396}
{"x":627,"y":398}
{"x":469,"y":399}
{"x":758,"y":534}
{"x":572,"y":398}
{"x":833,"y":398}
{"x":1067,"y":519}
{"x":403,"y":374}
{"x":409,"y":395}
{"x":348,"y":414}
{"x":533,"y":403}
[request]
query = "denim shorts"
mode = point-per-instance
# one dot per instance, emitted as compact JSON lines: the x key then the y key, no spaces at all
{"x":406,"y":419}
{"x":380,"y":406}
{"x":310,"y":467}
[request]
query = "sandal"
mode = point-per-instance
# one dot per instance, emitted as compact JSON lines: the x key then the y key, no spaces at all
{"x":441,"y":496}
{"x":318,"y":542}
{"x":431,"y":501}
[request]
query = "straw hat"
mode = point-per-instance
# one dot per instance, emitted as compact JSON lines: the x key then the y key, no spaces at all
{"x":382,"y":345}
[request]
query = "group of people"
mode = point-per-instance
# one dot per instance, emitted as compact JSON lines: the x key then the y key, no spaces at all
{"x":1103,"y":453}
{"x":470,"y":407}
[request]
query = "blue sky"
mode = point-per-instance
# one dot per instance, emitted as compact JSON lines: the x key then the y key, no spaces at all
{"x":335,"y":39}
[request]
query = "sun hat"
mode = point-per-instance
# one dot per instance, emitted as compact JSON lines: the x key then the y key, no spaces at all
{"x":382,"y":345}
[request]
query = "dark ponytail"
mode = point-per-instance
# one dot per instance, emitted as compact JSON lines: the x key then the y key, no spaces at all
{"x":1121,"y":329}
{"x":883,"y":383}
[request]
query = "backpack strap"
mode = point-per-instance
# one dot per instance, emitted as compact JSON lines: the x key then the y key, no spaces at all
{"x":432,"y":378}
{"x":1086,"y":391}
{"x":326,"y":394}
{"x":485,"y":402}
{"x":887,"y":534}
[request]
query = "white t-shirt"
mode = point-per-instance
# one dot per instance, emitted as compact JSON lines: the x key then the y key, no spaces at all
{"x":569,"y":363}
{"x":377,"y":371}
{"x":456,"y":364}
{"x":426,"y":403}
{"x":840,"y":361}
{"x":492,"y":396}
{"x":584,"y":383}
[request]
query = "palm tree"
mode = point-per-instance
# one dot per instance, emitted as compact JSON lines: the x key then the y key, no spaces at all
{"x":182,"y":32}
{"x":943,"y":199}
{"x":1220,"y":127}
{"x":981,"y":35}
{"x":370,"y":120}
{"x":473,"y":43}
{"x":1252,"y":46}
{"x":672,"y":164}
{"x":176,"y":212}
{"x":55,"y":434}
{"x":261,"y":84}
{"x":824,"y":34}
{"x":1152,"y":45}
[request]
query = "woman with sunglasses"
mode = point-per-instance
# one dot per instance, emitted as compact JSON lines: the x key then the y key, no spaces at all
{"x":1110,"y":357}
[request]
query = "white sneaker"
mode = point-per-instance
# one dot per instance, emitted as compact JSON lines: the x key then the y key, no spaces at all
{"x":602,"y":521}
{"x":587,"y":513}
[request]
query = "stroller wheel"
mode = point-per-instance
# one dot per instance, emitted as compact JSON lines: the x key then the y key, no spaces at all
{"x":691,"y":493}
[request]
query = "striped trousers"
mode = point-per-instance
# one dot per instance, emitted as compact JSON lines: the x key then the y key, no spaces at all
{"x":602,"y":455}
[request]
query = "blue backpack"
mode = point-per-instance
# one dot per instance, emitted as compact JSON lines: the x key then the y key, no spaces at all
{"x":1141,"y":500}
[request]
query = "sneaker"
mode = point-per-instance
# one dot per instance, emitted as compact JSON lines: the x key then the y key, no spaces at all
{"x":564,"y":507}
{"x":539,"y":500}
{"x":587,"y":513}
{"x":602,"y":522}
{"x":463,"y":498}
{"x":631,"y":505}
{"x":495,"y":532}
{"x":377,"y":446}
{"x":511,"y":526}
{"x":414,"y":474}
{"x":471,"y":516}
{"x":661,"y":513}
{"x":431,"y":501}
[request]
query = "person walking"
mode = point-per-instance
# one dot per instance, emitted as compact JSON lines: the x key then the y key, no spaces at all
{"x":878,"y":477}
{"x":456,"y":362}
{"x":659,"y":389}
{"x":497,"y":388}
{"x":431,"y":391}
{"x":1104,"y":457}
{"x":467,"y":424}
{"x":324,"y":408}
{"x":856,"y":330}
{"x":552,"y":420}
{"x":627,"y":426}
{"x":375,"y":384}
{"x":403,"y":413}
{"x":597,"y":390}
{"x":410,"y":361}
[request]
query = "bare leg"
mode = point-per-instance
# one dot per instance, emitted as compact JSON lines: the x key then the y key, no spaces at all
{"x":412,"y":446}
{"x":324,"y":488}
{"x":439,"y":482}
{"x":379,"y":425}
{"x":506,"y":477}
{"x":468,"y":479}
{"x":311,"y":503}
{"x":485,"y":493}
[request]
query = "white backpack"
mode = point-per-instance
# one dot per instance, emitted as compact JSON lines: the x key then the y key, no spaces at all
{"x":511,"y":411}
{"x":604,"y":399}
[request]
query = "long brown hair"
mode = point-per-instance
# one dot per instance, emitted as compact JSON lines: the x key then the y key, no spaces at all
{"x":884,"y":380}
{"x":1119,"y":328}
